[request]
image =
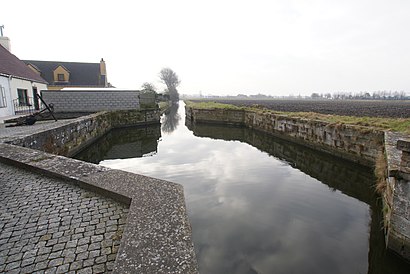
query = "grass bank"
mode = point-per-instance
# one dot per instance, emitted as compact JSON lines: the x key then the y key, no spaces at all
{"x":392,"y":124}
{"x":164,"y":105}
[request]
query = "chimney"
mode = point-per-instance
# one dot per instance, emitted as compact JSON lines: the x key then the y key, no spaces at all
{"x":4,"y":41}
{"x":103,"y":73}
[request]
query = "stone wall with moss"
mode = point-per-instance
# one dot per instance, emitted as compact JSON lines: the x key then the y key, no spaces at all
{"x":67,"y":140}
{"x":396,"y":194}
{"x":216,"y":116}
{"x":358,"y":144}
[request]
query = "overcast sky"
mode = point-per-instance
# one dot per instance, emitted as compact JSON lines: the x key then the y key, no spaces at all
{"x":276,"y":47}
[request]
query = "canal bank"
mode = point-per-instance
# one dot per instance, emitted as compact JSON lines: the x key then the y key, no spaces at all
{"x":157,"y":233}
{"x":258,"y":203}
{"x":362,"y":145}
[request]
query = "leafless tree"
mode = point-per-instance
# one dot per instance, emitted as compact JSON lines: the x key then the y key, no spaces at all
{"x":171,"y":80}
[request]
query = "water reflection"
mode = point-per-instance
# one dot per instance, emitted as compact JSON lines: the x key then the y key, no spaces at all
{"x":170,"y":120}
{"x":123,"y":143}
{"x":258,"y":204}
{"x":324,"y":167}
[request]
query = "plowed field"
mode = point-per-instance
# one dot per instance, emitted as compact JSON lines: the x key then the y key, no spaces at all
{"x":370,"y":108}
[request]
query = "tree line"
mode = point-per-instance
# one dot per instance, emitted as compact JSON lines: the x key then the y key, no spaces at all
{"x":376,"y":95}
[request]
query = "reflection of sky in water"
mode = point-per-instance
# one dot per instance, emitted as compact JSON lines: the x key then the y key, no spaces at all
{"x":252,"y":213}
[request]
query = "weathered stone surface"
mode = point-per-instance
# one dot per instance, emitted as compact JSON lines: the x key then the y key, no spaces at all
{"x":31,"y":202}
{"x":393,"y":154}
{"x":69,"y":136}
{"x":358,"y":144}
{"x":399,"y":171}
{"x":403,"y":145}
{"x":157,"y":233}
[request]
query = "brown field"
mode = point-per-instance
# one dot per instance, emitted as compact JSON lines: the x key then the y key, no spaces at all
{"x":360,"y":108}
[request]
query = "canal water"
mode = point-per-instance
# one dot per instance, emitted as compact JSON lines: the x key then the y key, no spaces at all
{"x":258,"y":204}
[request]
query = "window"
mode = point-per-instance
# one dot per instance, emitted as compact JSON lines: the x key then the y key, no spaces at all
{"x":60,"y":77}
{"x":22,"y":97}
{"x":3,"y":102}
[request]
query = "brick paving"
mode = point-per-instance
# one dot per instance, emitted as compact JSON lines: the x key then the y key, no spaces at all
{"x":48,"y":225}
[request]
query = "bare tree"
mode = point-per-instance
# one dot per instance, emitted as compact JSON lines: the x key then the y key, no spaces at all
{"x":149,"y":86}
{"x":171,"y":80}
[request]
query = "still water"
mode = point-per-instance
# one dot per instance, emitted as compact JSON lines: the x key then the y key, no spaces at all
{"x":258,"y":204}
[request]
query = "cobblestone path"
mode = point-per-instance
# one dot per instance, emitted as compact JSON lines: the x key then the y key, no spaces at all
{"x":51,"y":226}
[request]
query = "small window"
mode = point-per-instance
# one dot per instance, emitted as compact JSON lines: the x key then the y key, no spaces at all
{"x":22,"y":97}
{"x":3,"y":101}
{"x":60,"y":77}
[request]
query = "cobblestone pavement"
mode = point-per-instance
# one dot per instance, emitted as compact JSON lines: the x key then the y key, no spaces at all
{"x":51,"y":226}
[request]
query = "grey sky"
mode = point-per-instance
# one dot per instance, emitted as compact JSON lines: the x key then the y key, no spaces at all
{"x":275,"y":47}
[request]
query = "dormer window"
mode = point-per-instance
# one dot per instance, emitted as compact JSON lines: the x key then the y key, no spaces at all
{"x":61,"y":75}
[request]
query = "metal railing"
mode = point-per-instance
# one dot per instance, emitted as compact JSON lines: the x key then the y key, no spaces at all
{"x":26,"y":105}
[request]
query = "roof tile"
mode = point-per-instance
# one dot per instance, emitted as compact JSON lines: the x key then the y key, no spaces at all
{"x":81,"y":74}
{"x":13,"y":66}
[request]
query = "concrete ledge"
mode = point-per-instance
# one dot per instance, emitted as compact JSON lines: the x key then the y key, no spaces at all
{"x":157,"y":236}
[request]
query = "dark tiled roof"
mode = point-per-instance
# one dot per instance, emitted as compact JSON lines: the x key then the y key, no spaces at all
{"x":81,"y":74}
{"x":11,"y":65}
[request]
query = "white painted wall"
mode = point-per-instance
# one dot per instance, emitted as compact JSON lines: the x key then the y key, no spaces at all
{"x":11,"y":87}
{"x":24,"y":84}
{"x":7,"y":111}
{"x":16,"y":83}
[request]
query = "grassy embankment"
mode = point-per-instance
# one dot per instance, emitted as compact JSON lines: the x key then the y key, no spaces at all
{"x":392,"y":124}
{"x":163,"y":105}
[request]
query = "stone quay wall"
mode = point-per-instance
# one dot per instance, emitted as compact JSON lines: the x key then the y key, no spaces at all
{"x":396,"y":195}
{"x":72,"y":137}
{"x":357,"y":144}
{"x":216,"y":116}
{"x":362,"y":145}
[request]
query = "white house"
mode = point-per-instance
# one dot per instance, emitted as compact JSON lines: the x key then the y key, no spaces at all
{"x":18,"y":85}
